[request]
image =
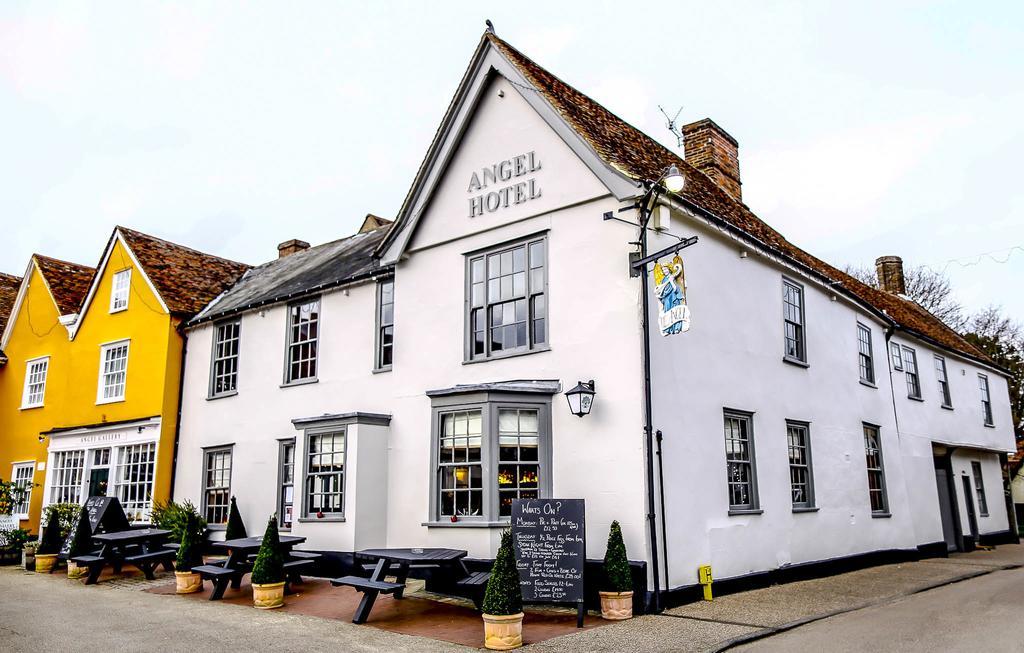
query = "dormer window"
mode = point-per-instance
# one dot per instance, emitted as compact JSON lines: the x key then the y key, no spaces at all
{"x":119,"y":290}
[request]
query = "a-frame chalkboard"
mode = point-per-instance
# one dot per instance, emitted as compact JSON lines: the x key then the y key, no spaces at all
{"x":105,"y":516}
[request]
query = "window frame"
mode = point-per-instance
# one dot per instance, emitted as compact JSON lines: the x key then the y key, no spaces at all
{"x":138,"y":510}
{"x":986,"y":400}
{"x":870,"y":379}
{"x":489,"y":404}
{"x":308,"y":434}
{"x":205,"y":488}
{"x":910,"y":361}
{"x":809,"y":503}
{"x":100,"y":385}
{"x":29,"y":483}
{"x":26,"y":392}
{"x":379,"y":325}
{"x":896,"y":355}
{"x":942,"y":378}
{"x":288,"y":342}
{"x":802,"y":325}
{"x":754,"y":506}
{"x":282,"y":445}
{"x":115,"y":290}
{"x":214,"y":359}
{"x":529,"y":295}
{"x":61,"y":488}
{"x":979,"y":488}
{"x":880,"y":470}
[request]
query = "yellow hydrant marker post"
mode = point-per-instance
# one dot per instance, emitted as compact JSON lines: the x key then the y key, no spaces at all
{"x":704,"y":575}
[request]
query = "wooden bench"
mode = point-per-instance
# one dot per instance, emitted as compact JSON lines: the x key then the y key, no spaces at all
{"x":219,"y":575}
{"x":292,"y":569}
{"x":476,"y":583}
{"x":370,"y":589}
{"x":93,"y":563}
{"x":147,"y":562}
{"x":305,"y":555}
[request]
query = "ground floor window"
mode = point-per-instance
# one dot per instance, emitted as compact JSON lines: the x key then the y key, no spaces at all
{"x":487,"y":454}
{"x":286,"y":497}
{"x":217,"y":484}
{"x":979,"y":488}
{"x":126,"y":472}
{"x":876,"y":471}
{"x":801,"y":477}
{"x":133,"y":479}
{"x":325,"y":475}
{"x":66,"y":473}
{"x":21,"y":476}
{"x":739,"y":455}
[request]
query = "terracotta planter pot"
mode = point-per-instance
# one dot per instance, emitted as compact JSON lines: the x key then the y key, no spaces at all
{"x":268,"y":596}
{"x":75,"y":572}
{"x":187,"y":582}
{"x":616,"y":605}
{"x":45,"y":562}
{"x":28,"y":557}
{"x":503,"y":632}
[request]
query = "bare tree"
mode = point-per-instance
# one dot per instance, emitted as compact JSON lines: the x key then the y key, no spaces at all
{"x":931,"y":289}
{"x":1002,"y":338}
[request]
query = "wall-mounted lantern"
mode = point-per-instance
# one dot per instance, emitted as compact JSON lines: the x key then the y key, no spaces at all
{"x":581,"y":398}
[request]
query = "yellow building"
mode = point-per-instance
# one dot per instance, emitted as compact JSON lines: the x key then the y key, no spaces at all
{"x":108,"y":419}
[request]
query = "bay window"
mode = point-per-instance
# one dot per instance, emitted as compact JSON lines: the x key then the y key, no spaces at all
{"x":325,"y":475}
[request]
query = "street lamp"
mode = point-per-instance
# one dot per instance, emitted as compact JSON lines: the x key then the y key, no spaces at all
{"x":674,"y":180}
{"x":581,"y":398}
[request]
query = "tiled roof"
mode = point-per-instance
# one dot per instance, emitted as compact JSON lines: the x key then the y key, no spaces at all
{"x":308,"y":271}
{"x":8,"y":293}
{"x":186,"y":279}
{"x":640,"y":157}
{"x":68,"y":282}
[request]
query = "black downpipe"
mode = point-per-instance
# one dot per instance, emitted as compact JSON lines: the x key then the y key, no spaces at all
{"x":645,"y":209}
{"x":661,"y":489}
{"x":177,"y":422}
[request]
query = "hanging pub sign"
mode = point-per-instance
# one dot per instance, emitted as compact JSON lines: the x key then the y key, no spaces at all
{"x":670,"y":287}
{"x":489,"y":199}
{"x":549,"y":538}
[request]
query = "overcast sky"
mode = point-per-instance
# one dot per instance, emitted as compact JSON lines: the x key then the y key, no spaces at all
{"x":865,"y":128}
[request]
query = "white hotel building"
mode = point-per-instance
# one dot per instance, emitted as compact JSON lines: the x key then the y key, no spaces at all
{"x":401,"y":386}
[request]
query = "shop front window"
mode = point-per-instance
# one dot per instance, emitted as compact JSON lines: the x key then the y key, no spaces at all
{"x":133,"y":476}
{"x":66,"y":473}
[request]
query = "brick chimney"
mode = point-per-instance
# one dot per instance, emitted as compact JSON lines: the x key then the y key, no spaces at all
{"x":711,"y":149}
{"x":890,"y":274}
{"x":289,"y":247}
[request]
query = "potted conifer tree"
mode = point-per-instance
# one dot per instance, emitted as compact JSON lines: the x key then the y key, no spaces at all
{"x":617,"y":597}
{"x":49,"y":545}
{"x":190,"y":555}
{"x":268,"y":570}
{"x":81,"y":544}
{"x":503,"y":601}
{"x":235,"y":528}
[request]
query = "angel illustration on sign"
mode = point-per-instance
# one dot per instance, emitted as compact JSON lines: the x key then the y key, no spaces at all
{"x":670,"y":286}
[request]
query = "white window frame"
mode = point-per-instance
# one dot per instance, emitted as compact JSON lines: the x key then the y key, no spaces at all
{"x":101,"y":383}
{"x":120,"y":289}
{"x":134,"y":473}
{"x":27,"y":393}
{"x":294,"y":345}
{"x":67,"y":482}
{"x":26,"y":483}
{"x":986,"y":400}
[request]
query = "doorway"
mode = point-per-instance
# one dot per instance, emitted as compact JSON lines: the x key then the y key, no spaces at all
{"x":99,"y":474}
{"x":972,"y":518}
{"x":946,"y":508}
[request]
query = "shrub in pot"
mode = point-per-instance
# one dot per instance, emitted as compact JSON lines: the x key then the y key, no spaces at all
{"x":67,"y":516}
{"x":81,"y":544}
{"x":617,"y":595}
{"x":173,"y":517}
{"x":190,"y":554}
{"x":49,"y":544}
{"x":503,"y":601}
{"x":268,"y":570}
{"x":235,"y":528}
{"x":11,"y":545}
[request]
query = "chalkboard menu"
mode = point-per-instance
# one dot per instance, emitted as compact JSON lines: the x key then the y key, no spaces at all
{"x":105,"y":516}
{"x":550,"y":546}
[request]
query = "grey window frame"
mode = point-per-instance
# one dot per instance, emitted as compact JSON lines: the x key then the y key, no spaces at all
{"x":288,"y":342}
{"x":913,"y":376}
{"x":880,"y":469}
{"x":942,"y":377}
{"x":529,"y":295}
{"x":896,"y":355}
{"x":808,"y":464}
{"x":754,"y":505}
{"x":986,"y":400}
{"x":865,"y":360}
{"x":979,"y":488}
{"x":307,"y":436}
{"x":207,"y":452}
{"x":489,"y":404}
{"x":379,"y":325}
{"x":214,"y":359}
{"x":281,"y":446}
{"x":801,"y":326}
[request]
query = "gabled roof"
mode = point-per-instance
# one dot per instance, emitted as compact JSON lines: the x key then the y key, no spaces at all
{"x":638,"y":157}
{"x":68,"y":282}
{"x":302,"y":273}
{"x":8,"y":293}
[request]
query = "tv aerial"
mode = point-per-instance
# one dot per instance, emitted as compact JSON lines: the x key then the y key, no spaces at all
{"x":670,"y":123}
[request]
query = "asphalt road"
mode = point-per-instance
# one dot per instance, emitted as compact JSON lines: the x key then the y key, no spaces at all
{"x":980,"y":614}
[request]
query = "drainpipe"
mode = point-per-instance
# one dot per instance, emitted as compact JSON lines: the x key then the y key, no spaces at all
{"x":177,"y":422}
{"x":661,"y":488}
{"x":888,"y":364}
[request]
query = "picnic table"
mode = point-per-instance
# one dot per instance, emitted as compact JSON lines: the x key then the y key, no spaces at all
{"x":402,"y":560}
{"x":238,"y":564}
{"x":142,"y":547}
